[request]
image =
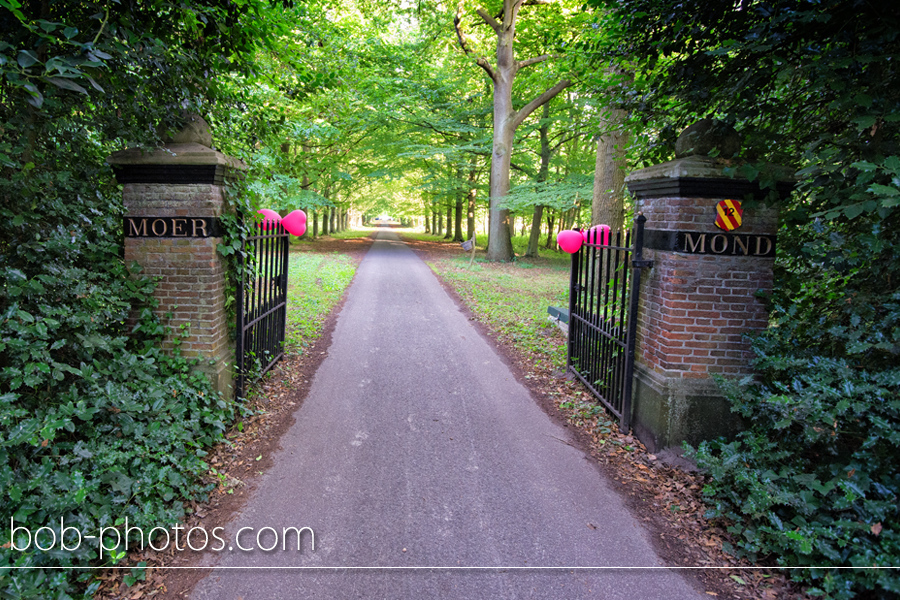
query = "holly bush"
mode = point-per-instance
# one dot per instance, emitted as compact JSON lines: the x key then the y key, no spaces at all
{"x":812,"y":85}
{"x":98,"y":424}
{"x":815,"y":481}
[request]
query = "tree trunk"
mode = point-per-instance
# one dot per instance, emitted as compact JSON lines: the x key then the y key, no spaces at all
{"x":470,"y":215}
{"x":449,"y":233}
{"x":550,"y":219}
{"x":608,"y":205}
{"x":569,"y":220}
{"x":427,"y":220}
{"x":315,"y":223}
{"x":499,"y":234}
{"x":470,"y":196}
{"x":457,"y":221}
{"x":440,"y":220}
{"x":506,"y":119}
{"x":560,"y":221}
{"x":534,"y":239}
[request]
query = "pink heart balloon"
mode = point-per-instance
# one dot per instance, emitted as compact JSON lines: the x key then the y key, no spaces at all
{"x":295,"y":223}
{"x":598,"y":235}
{"x":569,"y":240}
{"x":270,"y":218}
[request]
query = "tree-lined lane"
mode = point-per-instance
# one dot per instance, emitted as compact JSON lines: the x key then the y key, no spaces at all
{"x":418,"y":452}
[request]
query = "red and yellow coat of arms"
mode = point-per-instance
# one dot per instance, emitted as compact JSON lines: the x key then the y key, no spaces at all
{"x":729,"y":214}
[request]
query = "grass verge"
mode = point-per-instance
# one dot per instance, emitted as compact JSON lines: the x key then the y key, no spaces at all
{"x":316,"y":283}
{"x":512,"y":300}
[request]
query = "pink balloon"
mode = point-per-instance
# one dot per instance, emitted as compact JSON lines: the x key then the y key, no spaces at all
{"x":569,"y":240}
{"x":598,"y":235}
{"x":295,"y":223}
{"x":270,"y":218}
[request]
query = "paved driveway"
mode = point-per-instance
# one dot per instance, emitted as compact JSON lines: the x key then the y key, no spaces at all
{"x":425,"y":470}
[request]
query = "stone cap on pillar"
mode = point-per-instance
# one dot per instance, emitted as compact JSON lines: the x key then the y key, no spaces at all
{"x":187,"y":158}
{"x":695,"y":174}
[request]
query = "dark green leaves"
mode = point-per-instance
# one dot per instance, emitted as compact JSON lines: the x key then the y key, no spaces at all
{"x":26,"y":58}
{"x":96,"y":422}
{"x":812,"y":85}
{"x":66,"y":84}
{"x":814,"y":473}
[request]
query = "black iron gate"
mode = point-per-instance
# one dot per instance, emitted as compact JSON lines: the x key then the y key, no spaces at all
{"x":603,"y":303}
{"x":261,"y":306}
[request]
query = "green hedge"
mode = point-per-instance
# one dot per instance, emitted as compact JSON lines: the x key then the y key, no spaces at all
{"x":815,"y":480}
{"x":96,"y":423}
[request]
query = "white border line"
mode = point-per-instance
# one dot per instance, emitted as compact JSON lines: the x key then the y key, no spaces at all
{"x":459,"y":568}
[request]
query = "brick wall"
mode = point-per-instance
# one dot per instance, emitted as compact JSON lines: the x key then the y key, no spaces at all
{"x":173,"y":200}
{"x":191,"y":287}
{"x":190,"y":271}
{"x":696,"y":309}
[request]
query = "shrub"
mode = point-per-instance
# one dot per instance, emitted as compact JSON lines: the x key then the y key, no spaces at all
{"x":97,"y":423}
{"x":815,"y":480}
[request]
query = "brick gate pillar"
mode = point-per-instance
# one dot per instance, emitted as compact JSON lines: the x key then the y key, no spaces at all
{"x":173,"y":199}
{"x":701,"y":297}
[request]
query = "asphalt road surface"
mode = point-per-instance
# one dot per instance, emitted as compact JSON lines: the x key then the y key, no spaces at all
{"x":425,"y":470}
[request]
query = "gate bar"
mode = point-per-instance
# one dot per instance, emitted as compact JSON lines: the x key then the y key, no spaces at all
{"x":638,"y":264}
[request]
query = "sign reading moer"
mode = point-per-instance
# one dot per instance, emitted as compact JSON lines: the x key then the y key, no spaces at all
{"x":697,"y":242}
{"x":172,"y":227}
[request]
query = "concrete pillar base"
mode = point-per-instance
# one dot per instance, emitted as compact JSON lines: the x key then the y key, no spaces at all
{"x":220,"y":373}
{"x":671,"y":410}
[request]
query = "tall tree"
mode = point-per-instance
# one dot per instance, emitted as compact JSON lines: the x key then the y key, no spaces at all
{"x":608,"y":206}
{"x":538,"y":215}
{"x":506,"y":118}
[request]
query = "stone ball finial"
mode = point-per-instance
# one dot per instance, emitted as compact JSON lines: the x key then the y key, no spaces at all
{"x":705,"y":136}
{"x":196,"y":131}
